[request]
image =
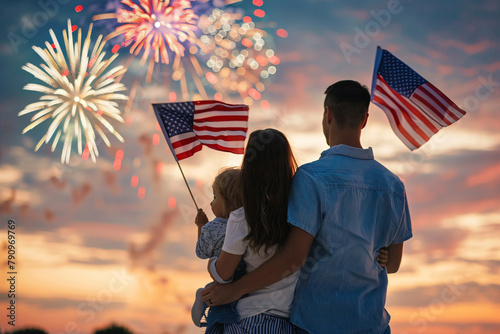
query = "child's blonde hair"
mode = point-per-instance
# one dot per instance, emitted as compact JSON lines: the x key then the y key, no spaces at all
{"x":226,"y":184}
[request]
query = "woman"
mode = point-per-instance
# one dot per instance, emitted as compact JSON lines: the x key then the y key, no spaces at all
{"x":257,"y":231}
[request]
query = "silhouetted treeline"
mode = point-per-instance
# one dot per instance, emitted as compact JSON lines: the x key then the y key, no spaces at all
{"x":28,"y":331}
{"x":112,"y":329}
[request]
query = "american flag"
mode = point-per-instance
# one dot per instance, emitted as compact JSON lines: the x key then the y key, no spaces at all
{"x":189,"y":125}
{"x":415,"y":108}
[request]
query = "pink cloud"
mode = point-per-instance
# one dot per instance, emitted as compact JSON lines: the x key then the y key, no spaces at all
{"x":356,"y":14}
{"x":110,"y":179}
{"x":486,"y":176}
{"x":445,"y":69}
{"x":49,"y":215}
{"x":147,"y":143}
{"x":494,"y":67}
{"x":430,"y":214}
{"x":295,"y":85}
{"x":394,"y":48}
{"x":472,"y":49}
{"x":463,"y":183}
{"x":81,"y":193}
{"x":156,"y":236}
{"x":421,"y":61}
{"x":469,"y":48}
{"x":438,"y":242}
{"x":57,"y":182}
{"x":291,"y":57}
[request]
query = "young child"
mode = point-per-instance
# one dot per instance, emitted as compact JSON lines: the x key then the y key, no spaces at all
{"x":211,"y":238}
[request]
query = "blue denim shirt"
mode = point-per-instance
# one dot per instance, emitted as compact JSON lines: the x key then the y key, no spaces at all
{"x":353,"y":206}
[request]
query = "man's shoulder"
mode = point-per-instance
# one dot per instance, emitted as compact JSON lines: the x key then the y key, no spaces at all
{"x":386,"y":171}
{"x":380,"y":174}
{"x":392,"y":179}
{"x":310,"y":170}
{"x":313,"y":166}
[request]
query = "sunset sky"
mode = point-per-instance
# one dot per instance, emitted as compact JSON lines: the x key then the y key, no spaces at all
{"x":114,"y":241}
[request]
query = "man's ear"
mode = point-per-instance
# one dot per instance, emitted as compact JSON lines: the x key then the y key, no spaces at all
{"x":366,"y":120}
{"x":329,"y":115}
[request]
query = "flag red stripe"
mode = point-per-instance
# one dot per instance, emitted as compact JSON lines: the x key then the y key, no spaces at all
{"x":222,"y":119}
{"x":215,"y":124}
{"x":189,"y":153}
{"x":395,"y":113}
{"x":426,"y":110}
{"x":222,"y":137}
{"x":237,"y":150}
{"x":419,"y":115}
{"x":203,"y":102}
{"x":219,"y":108}
{"x":210,"y":128}
{"x":444,"y":97}
{"x":182,"y":142}
{"x":413,"y":109}
{"x":440,"y":106}
{"x":447,"y":100}
{"x":224,"y":109}
{"x":399,"y":100}
{"x":431,"y":108}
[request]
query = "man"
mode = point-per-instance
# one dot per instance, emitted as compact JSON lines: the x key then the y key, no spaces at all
{"x":343,"y":208}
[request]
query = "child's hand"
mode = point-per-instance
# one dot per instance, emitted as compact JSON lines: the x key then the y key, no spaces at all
{"x":383,"y":257}
{"x":201,"y":218}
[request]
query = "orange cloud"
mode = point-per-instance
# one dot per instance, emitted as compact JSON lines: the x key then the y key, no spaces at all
{"x":109,"y":231}
{"x":6,"y":204}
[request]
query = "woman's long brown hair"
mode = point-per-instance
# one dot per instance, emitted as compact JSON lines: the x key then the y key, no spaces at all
{"x":265,"y":180}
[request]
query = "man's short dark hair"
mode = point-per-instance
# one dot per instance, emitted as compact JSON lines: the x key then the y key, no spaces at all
{"x":349,"y":101}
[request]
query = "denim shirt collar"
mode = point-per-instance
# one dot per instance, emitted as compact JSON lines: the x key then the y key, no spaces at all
{"x":349,"y":151}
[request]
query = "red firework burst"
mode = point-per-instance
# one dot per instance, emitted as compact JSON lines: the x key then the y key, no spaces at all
{"x":154,"y":25}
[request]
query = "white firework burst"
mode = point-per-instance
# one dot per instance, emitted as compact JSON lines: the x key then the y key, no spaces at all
{"x":79,"y":89}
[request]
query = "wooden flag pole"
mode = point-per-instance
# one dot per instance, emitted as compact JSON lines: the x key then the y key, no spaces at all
{"x":187,"y":184}
{"x":167,"y":137}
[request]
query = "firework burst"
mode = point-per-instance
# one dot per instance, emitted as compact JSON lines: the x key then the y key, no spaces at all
{"x":155,"y":25}
{"x":213,"y":53}
{"x":239,"y":55}
{"x":79,"y":92}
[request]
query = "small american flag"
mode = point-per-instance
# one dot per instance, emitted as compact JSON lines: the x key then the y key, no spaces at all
{"x":189,"y":125}
{"x":415,"y":108}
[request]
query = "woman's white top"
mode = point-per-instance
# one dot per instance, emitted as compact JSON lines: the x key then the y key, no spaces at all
{"x":275,"y":299}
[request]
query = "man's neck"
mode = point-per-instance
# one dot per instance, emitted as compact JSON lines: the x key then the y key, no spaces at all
{"x":348,"y":138}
